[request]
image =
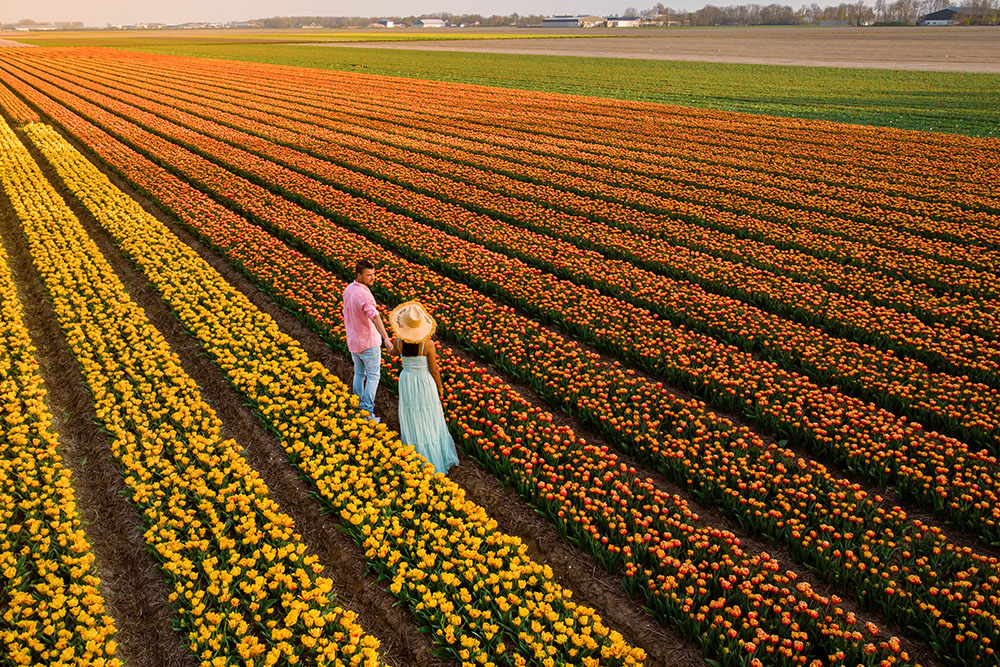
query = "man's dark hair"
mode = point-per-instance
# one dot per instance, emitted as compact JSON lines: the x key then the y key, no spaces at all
{"x":362,"y":266}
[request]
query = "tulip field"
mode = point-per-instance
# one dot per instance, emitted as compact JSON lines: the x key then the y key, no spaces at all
{"x":747,"y":366}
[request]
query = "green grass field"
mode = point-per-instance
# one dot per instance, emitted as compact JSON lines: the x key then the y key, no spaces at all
{"x":931,"y":101}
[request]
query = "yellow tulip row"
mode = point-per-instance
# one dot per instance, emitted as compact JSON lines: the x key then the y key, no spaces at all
{"x":54,"y":610}
{"x":244,"y":587}
{"x":484,"y":598}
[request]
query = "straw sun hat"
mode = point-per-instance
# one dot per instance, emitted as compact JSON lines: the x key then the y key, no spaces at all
{"x":411,"y":322}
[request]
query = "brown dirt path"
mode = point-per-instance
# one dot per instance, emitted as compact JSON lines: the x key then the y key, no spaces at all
{"x":928,"y":48}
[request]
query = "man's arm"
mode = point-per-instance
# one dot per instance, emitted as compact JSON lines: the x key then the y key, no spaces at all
{"x":372,"y":312}
{"x":397,"y":347}
{"x":377,"y":319}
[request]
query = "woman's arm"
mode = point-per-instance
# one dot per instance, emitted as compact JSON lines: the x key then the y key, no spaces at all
{"x":430,"y":351}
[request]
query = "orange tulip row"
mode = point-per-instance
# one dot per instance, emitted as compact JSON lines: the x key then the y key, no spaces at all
{"x":926,"y":160}
{"x":917,"y":244}
{"x":818,"y":303}
{"x":969,"y":410}
{"x":936,"y":262}
{"x":800,"y":224}
{"x":362,"y":134}
{"x":927,"y":218}
{"x":886,"y":449}
{"x":16,"y":109}
{"x":822,"y":519}
{"x":888,"y":328}
{"x":687,"y":571}
{"x":904,"y":213}
{"x":908,"y":165}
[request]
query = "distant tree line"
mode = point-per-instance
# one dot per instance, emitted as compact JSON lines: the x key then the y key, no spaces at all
{"x":61,"y":25}
{"x":495,"y":20}
{"x":885,"y":12}
{"x":900,"y":12}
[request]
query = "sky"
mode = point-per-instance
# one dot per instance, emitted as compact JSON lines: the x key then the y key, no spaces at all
{"x":98,"y":13}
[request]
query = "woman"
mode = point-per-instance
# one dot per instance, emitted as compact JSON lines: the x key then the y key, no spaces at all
{"x":421,"y":417}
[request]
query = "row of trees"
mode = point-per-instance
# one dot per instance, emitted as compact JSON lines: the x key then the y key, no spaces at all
{"x":28,"y":23}
{"x":857,"y":13}
{"x":355,"y":21}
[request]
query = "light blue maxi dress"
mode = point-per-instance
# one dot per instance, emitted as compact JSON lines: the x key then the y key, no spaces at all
{"x":421,"y":417}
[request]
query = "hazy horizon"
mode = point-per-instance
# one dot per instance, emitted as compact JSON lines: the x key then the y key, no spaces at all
{"x":99,"y":13}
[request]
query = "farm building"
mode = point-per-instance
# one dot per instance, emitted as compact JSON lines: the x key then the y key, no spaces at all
{"x":561,"y":22}
{"x":386,"y":23}
{"x":622,"y":22}
{"x":428,"y":23}
{"x":955,"y":15}
{"x":567,"y":21}
{"x":942,"y":17}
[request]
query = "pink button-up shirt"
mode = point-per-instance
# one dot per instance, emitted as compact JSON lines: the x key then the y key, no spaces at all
{"x":359,"y":309}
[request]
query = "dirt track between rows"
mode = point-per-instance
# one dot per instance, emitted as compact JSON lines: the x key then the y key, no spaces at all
{"x":932,"y":48}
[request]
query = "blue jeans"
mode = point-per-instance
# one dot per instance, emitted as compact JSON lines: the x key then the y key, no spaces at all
{"x":367,"y":371}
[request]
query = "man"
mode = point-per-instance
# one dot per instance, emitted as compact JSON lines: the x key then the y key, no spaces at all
{"x":364,"y":326}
